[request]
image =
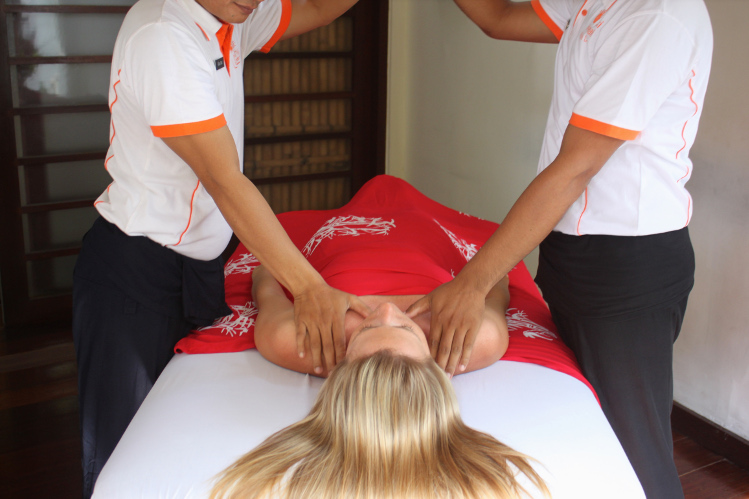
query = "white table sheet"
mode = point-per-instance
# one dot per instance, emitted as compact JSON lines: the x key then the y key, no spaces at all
{"x":205,"y":411}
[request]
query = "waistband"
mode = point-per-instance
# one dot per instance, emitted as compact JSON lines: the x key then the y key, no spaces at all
{"x":607,"y":276}
{"x":156,"y":277}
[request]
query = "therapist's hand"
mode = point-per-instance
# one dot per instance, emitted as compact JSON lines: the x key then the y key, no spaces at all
{"x":457,"y":311}
{"x":319,"y":313}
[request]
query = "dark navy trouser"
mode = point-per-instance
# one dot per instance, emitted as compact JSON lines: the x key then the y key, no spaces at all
{"x":618,"y":303}
{"x":133,"y":299}
{"x":121,"y":348}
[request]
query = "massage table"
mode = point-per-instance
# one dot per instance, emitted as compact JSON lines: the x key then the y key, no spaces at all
{"x":218,"y":397}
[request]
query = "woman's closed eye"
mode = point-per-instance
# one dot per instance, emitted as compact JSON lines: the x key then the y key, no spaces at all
{"x":407,"y":327}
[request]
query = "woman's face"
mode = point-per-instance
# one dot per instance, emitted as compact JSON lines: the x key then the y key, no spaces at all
{"x":387,"y":328}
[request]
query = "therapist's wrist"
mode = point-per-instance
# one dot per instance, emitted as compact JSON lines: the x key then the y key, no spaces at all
{"x":475,"y":279}
{"x":304,"y":281}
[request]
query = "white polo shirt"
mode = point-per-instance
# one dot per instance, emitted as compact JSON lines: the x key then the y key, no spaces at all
{"x":636,"y":70}
{"x":170,"y":78}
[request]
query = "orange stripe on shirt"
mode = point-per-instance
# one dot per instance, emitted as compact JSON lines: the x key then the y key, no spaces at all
{"x":579,"y":220}
{"x":189,"y":128}
{"x":541,"y":13}
{"x":603,"y":128}
{"x":114,"y":88}
{"x":224,"y":35}
{"x":204,"y":33}
{"x":282,"y":26}
{"x":107,"y":161}
{"x":189,"y":218}
{"x":684,"y":128}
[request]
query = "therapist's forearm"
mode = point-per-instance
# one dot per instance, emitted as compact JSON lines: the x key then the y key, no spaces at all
{"x":212,"y":156}
{"x":540,"y":207}
{"x":307,"y":15}
{"x":529,"y":221}
{"x":506,"y":20}
{"x":255,"y":224}
{"x":319,"y":309}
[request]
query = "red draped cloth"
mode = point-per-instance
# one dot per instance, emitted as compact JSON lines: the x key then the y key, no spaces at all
{"x":389,"y":240}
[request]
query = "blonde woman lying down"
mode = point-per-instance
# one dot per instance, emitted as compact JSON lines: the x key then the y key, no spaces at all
{"x":386,"y":423}
{"x":383,"y":426}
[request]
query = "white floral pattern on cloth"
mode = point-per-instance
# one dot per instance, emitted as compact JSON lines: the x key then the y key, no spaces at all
{"x":471,"y":216}
{"x":517,"y":320}
{"x":236,"y":324}
{"x":466,"y":249}
{"x":245,"y":264}
{"x":347,"y":226}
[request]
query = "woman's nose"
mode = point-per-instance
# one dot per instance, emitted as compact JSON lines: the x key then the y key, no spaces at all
{"x":387,"y":311}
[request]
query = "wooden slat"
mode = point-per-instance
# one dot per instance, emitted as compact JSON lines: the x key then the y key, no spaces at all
{"x":301,"y":178}
{"x":317,"y":96}
{"x":60,"y":158}
{"x":251,"y":141}
{"x":85,"y":203}
{"x":63,"y":59}
{"x":46,"y":355}
{"x":18,"y":398}
{"x":250,"y":99}
{"x":67,"y":9}
{"x":64,"y":205}
{"x":301,"y":55}
{"x":276,"y":139}
{"x":76,"y":108}
{"x":46,"y":255}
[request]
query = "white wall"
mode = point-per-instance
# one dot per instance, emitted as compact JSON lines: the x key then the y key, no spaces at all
{"x":466,"y":113}
{"x":466,"y":117}
{"x":712,"y":355}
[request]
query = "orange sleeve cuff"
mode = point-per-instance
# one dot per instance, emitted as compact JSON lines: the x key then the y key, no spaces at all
{"x":189,"y":128}
{"x":541,"y":13}
{"x":282,"y":26}
{"x":603,"y":128}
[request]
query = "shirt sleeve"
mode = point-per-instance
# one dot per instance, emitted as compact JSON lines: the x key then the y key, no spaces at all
{"x":265,"y":26}
{"x":635,"y":70}
{"x":172,"y":82}
{"x":556,"y":14}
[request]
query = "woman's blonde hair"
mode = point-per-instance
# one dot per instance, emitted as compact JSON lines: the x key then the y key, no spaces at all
{"x":384,"y":426}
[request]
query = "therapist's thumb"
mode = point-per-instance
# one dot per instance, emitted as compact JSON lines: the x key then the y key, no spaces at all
{"x":357,"y":305}
{"x":421,"y":306}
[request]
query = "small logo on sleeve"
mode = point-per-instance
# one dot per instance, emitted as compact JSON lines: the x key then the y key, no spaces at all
{"x":219,"y":63}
